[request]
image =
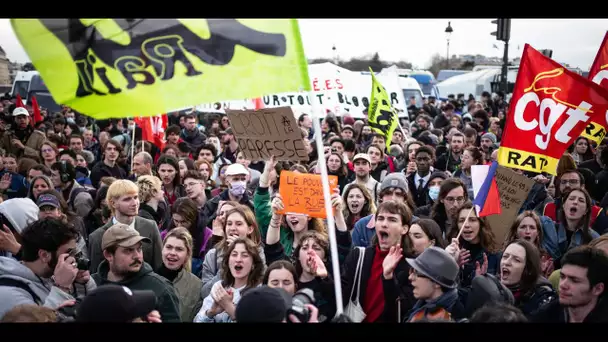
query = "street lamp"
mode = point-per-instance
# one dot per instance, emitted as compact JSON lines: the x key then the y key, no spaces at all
{"x":448,"y":34}
{"x":335,"y":53}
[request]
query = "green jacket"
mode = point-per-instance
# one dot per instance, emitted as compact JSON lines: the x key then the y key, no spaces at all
{"x":263,"y":214}
{"x":167,"y":302}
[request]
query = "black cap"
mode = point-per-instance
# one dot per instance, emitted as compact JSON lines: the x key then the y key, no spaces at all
{"x":263,"y":305}
{"x":115,"y":303}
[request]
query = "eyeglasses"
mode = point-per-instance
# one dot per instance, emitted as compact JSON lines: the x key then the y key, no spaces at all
{"x":47,"y":150}
{"x":569,"y":181}
{"x":454,"y":199}
{"x":417,"y":274}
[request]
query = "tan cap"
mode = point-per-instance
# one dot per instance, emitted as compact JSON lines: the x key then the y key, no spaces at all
{"x":121,"y":235}
{"x":364,"y":156}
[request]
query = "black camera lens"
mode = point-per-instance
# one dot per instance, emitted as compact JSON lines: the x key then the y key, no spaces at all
{"x":82,"y":262}
{"x":298,"y":304}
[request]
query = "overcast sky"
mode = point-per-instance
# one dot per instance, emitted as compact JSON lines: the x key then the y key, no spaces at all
{"x":573,"y":41}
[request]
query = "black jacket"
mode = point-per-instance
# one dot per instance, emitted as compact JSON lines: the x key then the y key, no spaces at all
{"x":167,"y":302}
{"x":209,"y":211}
{"x":553,"y":312}
{"x":421,"y":198}
{"x":398,"y":292}
{"x":531,"y":302}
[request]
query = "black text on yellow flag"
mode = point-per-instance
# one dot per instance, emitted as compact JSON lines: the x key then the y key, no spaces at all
{"x":381,"y":116}
{"x":113,"y":68}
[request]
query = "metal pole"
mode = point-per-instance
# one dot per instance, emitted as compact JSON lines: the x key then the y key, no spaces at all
{"x":505,"y":62}
{"x":448,"y":55}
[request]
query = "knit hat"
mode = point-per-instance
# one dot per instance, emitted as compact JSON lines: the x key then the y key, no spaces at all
{"x":263,"y":305}
{"x":348,"y":120}
{"x":490,"y":136}
{"x":394,"y":180}
{"x":438,"y":174}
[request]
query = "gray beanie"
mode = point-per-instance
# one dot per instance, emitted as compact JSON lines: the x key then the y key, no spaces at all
{"x":490,"y":136}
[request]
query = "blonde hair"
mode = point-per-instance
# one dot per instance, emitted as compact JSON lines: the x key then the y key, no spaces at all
{"x":182,"y":234}
{"x":120,"y":187}
{"x":147,"y":185}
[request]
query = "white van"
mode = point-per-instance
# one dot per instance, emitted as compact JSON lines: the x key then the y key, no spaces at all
{"x":28,"y":83}
{"x":411,"y":87}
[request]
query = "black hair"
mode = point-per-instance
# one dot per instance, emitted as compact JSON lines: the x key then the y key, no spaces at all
{"x":64,"y":168}
{"x":48,"y":234}
{"x":495,"y":312}
{"x":208,"y":147}
{"x":350,"y":145}
{"x":70,"y":153}
{"x":594,"y":260}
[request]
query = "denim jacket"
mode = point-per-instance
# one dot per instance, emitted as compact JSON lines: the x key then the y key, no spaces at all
{"x":555,"y":241}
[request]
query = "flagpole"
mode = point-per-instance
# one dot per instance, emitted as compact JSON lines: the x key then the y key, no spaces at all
{"x":465,"y":222}
{"x":133,"y":147}
{"x":333,"y":244}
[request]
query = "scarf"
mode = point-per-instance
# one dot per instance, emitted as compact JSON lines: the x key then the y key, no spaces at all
{"x":427,"y":307}
{"x":167,"y":273}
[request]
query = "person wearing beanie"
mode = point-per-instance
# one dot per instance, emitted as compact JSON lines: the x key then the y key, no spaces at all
{"x":433,"y":276}
{"x":488,"y":143}
{"x":263,"y":305}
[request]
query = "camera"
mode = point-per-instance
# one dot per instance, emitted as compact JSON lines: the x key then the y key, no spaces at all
{"x":298,"y":302}
{"x":82,"y":263}
{"x":67,"y":314}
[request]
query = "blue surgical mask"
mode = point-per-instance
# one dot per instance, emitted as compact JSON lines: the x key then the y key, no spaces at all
{"x":434,"y":192}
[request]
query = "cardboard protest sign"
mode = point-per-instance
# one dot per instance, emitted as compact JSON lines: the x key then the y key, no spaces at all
{"x":513,"y":189}
{"x":303,"y":193}
{"x":267,"y":132}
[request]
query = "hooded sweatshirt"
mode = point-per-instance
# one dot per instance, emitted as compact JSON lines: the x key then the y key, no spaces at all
{"x":10,"y":296}
{"x":167,"y":302}
{"x":19,"y":213}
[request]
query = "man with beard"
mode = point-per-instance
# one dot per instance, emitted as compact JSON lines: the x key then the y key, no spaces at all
{"x":124,"y":265}
{"x":123,"y":202}
{"x":450,"y":160}
{"x":191,"y":134}
{"x":230,"y":145}
{"x":21,"y":139}
{"x":47,"y":270}
{"x":583,"y":289}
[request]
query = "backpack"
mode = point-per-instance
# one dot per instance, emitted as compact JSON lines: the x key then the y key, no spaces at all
{"x":19,"y":284}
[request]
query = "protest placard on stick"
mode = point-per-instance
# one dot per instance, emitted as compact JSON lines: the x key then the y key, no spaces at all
{"x":303,"y":193}
{"x":267,"y":132}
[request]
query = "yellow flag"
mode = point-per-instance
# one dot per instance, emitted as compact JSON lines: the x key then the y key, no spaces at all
{"x":114,"y":68}
{"x":381,"y":116}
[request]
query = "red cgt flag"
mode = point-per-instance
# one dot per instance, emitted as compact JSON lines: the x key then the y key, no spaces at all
{"x":596,"y":131}
{"x":550,"y":108}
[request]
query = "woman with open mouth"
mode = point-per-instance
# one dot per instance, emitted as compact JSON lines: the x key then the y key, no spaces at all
{"x":176,"y":267}
{"x":574,"y":221}
{"x":520,"y":272}
{"x":298,"y":225}
{"x":480,"y":253}
{"x":168,"y":172}
{"x":240,"y":223}
{"x":242,"y":269}
{"x":528,"y":226}
{"x":359,"y":203}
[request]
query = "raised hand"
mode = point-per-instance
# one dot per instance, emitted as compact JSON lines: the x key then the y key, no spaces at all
{"x":391,"y":261}
{"x":317,"y":266}
{"x":8,"y":242}
{"x":277,"y":205}
{"x":464,"y":257}
{"x":482,"y":269}
{"x":454,"y":249}
{"x":218,"y":226}
{"x":336,"y":201}
{"x":265,"y":180}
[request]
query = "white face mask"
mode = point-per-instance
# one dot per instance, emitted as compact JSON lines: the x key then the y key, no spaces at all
{"x":70,"y":120}
{"x":238,"y":188}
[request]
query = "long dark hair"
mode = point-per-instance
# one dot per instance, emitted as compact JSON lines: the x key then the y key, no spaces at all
{"x":438,"y":213}
{"x":432,"y":231}
{"x":532,"y":269}
{"x":368,"y":208}
{"x":512,"y":235}
{"x":487,"y":239}
{"x":585,"y":221}
{"x":188,"y":209}
{"x":257,"y":266}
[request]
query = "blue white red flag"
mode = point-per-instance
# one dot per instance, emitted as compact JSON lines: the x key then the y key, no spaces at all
{"x":487,"y":198}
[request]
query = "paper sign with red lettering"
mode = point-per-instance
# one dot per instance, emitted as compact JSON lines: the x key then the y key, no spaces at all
{"x":550,"y":108}
{"x":302,"y":193}
{"x":598,"y":74}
